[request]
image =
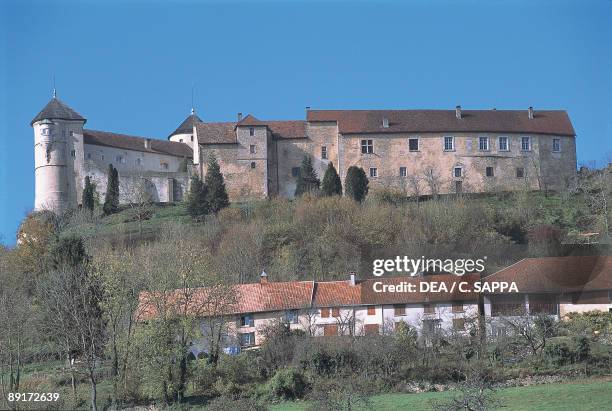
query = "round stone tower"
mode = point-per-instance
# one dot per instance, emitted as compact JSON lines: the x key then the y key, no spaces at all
{"x":58,"y":152}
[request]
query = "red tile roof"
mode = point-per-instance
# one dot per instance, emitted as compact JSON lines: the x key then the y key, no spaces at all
{"x":123,"y":141}
{"x":558,"y":274}
{"x":423,"y":121}
{"x":287,"y":129}
{"x":216,"y":133}
{"x":250,"y":120}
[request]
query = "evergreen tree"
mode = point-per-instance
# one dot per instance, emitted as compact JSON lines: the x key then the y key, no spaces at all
{"x":111,"y":199}
{"x":332,"y":185}
{"x":215,"y":185}
{"x":307,"y":182}
{"x":88,"y":194}
{"x":356,"y":183}
{"x":197,"y":204}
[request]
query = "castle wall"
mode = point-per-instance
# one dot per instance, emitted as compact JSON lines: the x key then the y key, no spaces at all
{"x":391,"y":152}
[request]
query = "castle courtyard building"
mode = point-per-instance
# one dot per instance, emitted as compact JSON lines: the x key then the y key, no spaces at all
{"x":414,"y":152}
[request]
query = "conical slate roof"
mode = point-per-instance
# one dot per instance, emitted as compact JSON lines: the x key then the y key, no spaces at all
{"x":57,"y":110}
{"x":186,"y":126}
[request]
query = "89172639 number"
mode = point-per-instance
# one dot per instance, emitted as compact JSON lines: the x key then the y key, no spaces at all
{"x":32,"y":396}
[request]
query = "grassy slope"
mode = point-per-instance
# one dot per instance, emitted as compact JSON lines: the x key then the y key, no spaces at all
{"x":593,"y":395}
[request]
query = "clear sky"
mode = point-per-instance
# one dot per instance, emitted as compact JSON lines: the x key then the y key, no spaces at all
{"x":128,"y":66}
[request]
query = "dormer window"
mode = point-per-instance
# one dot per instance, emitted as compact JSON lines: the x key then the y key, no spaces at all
{"x":251,"y":131}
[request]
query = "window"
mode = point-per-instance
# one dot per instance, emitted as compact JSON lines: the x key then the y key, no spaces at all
{"x":457,"y":307}
{"x":164,"y":166}
{"x":367,"y":147}
{"x":413,"y":144}
{"x":72,"y":153}
{"x":520,"y":172}
{"x":295,"y":172}
{"x":458,"y":172}
{"x":252,"y":149}
{"x":247,"y":320}
{"x":102,"y":157}
{"x":180,"y":140}
{"x":502,"y":143}
{"x":371,"y":310}
{"x":291,"y":317}
{"x":71,"y":133}
{"x":449,"y":143}
{"x":403,"y":172}
{"x":139,"y":161}
{"x":483,"y":143}
{"x":324,"y":152}
{"x":543,"y":304}
{"x":89,"y":156}
{"x":325,"y":312}
{"x":399,"y":309}
{"x":253,"y":164}
{"x":330,"y":330}
{"x":251,"y":131}
{"x":489,"y":172}
{"x":45,"y":131}
{"x":371,"y":329}
{"x":507,"y":304}
{"x":431,"y":326}
{"x":556,"y":145}
{"x":247,"y":339}
{"x":526,"y":143}
{"x":191,"y":138}
{"x":373,"y":171}
{"x":119,"y":159}
{"x":429,"y":309}
{"x":458,"y":324}
{"x":335,"y":312}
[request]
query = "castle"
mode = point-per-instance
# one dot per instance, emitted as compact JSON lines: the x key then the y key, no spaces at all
{"x":416,"y":152}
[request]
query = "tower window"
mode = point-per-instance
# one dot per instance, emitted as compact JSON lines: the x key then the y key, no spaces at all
{"x":556,"y":145}
{"x":449,"y":143}
{"x":324,"y":152}
{"x":253,"y":164}
{"x":251,"y":131}
{"x":520,"y":172}
{"x":252,"y":149}
{"x":89,"y":156}
{"x":373,"y":172}
{"x":413,"y":144}
{"x":367,"y":147}
{"x":191,"y":138}
{"x":295,"y":172}
{"x":489,"y":171}
{"x":72,"y":153}
{"x":403,"y":172}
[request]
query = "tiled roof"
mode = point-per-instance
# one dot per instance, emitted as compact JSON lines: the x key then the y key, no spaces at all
{"x":558,"y":274}
{"x":107,"y":139}
{"x":186,"y":127}
{"x":288,"y":129}
{"x":57,"y":110}
{"x":250,"y":120}
{"x":271,"y":296}
{"x":216,"y":133}
{"x":422,"y":121}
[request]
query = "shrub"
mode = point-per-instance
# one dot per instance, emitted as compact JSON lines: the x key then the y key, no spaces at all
{"x":216,"y":195}
{"x":356,"y":183}
{"x":287,"y":384}
{"x":332,"y":185}
{"x":308,"y":181}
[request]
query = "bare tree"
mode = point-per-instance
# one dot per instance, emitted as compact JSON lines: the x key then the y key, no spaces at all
{"x":414,"y":181}
{"x":137,"y":194}
{"x":534,"y":329}
{"x":433,"y":180}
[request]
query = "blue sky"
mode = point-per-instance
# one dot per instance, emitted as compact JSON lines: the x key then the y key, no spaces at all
{"x":129,"y":66}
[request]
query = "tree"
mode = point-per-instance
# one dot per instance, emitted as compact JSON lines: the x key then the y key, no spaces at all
{"x":356,"y":183}
{"x":137,"y":193}
{"x":72,"y":296}
{"x":332,"y":185}
{"x":216,"y":197}
{"x":88,"y":195}
{"x":433,"y":181}
{"x":111,"y":199}
{"x":307,"y":181}
{"x":197,"y":204}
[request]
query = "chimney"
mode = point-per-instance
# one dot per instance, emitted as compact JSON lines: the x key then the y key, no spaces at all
{"x":385,"y":122}
{"x":352,"y":276}
{"x":458,"y":112}
{"x":530,"y":112}
{"x":263,"y":278}
{"x":239,"y":117}
{"x":147,"y":143}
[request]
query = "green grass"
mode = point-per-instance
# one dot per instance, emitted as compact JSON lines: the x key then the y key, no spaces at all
{"x":585,"y":395}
